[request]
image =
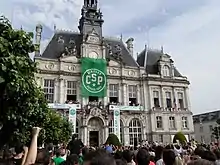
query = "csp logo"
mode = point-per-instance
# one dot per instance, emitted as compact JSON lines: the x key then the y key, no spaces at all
{"x":94,"y":80}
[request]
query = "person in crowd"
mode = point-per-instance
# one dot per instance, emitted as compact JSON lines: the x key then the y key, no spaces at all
{"x":143,"y":157}
{"x":128,"y":157}
{"x":58,"y":159}
{"x":108,"y":148}
{"x":71,"y":160}
{"x":84,"y":151}
{"x":217,"y":153}
{"x":75,"y":145}
{"x":169,"y":157}
{"x":120,"y":162}
{"x":158,"y":155}
{"x":99,"y":157}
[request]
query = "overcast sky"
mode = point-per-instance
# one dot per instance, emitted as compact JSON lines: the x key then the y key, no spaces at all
{"x":189,"y":30}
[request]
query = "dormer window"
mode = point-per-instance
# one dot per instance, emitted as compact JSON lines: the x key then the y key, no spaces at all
{"x":166,"y":71}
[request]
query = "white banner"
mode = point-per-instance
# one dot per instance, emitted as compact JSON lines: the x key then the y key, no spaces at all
{"x":72,"y":117}
{"x":117,"y":122}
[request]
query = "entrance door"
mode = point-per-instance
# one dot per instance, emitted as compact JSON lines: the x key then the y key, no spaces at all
{"x":94,"y":138}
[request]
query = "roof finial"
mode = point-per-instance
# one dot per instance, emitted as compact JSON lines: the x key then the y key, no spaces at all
{"x":121,"y":37}
{"x":161,"y":49}
{"x":54,"y":27}
{"x":21,"y":27}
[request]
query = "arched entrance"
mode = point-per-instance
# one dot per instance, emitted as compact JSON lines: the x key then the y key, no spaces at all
{"x":95,"y":131}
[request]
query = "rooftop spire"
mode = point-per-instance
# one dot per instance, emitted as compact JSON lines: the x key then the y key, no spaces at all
{"x":91,"y":4}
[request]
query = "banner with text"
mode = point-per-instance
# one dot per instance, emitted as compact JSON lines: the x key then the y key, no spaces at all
{"x":117,"y":123}
{"x":72,"y":117}
{"x":93,"y":77}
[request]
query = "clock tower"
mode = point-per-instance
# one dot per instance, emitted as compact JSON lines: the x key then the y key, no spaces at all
{"x":90,"y":27}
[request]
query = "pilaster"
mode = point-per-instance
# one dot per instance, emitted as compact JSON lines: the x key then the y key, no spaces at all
{"x":125,"y":94}
{"x":62,"y":89}
{"x":120,"y":99}
{"x":187,"y":99}
{"x":56,"y":90}
{"x":162,"y":97}
{"x":138,"y":94}
{"x":126,"y":136}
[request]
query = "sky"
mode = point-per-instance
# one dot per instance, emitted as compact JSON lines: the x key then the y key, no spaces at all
{"x":188,"y":30}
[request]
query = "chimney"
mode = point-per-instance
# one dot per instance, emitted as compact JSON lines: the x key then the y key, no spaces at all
{"x":130,"y":45}
{"x":38,"y":39}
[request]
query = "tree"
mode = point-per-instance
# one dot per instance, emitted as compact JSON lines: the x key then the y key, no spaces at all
{"x":180,"y":137}
{"x":22,"y":102}
{"x":216,"y":130}
{"x":113,"y":139}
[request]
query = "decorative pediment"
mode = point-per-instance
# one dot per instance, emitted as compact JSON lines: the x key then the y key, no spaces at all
{"x":72,"y":59}
{"x":95,"y":111}
{"x":113,"y":63}
{"x":93,"y":37}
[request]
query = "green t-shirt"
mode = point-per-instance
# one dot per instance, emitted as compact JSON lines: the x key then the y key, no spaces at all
{"x":58,"y":160}
{"x":81,"y":160}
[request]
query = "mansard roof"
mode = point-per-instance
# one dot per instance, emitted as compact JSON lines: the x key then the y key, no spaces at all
{"x":61,"y":39}
{"x":149,"y":59}
{"x":206,"y":117}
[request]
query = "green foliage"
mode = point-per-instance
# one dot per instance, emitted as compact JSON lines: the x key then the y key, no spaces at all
{"x":22,"y":102}
{"x":180,"y":137}
{"x":216,"y":130}
{"x":113,"y":139}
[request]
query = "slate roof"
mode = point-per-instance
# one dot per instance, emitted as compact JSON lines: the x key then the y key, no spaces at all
{"x":151,"y":58}
{"x":54,"y":49}
{"x":206,"y":117}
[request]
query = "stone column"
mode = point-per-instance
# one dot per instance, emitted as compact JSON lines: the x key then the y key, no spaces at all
{"x":141,"y":92}
{"x":56,"y":90}
{"x":62,"y":89}
{"x":162,"y":98}
{"x":175,"y":96}
{"x":120,"y":99}
{"x":106,"y":133}
{"x":144,"y":132}
{"x":138,"y":94}
{"x":187,"y":99}
{"x":126,"y":136}
{"x":106,"y":99}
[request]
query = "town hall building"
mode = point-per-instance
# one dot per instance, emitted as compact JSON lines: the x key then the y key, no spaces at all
{"x":97,"y":82}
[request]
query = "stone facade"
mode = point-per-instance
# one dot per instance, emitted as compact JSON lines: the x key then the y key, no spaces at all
{"x":159,"y":92}
{"x":203,"y":126}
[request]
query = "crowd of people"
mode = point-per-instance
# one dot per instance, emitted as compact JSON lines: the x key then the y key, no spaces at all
{"x":75,"y":153}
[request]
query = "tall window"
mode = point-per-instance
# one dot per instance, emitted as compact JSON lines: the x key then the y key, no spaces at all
{"x":172,"y":122}
{"x":180,"y":100}
{"x":77,"y":128}
{"x":168,"y":100}
{"x":71,"y":91}
{"x":156,"y":99}
{"x":111,"y":129}
{"x":184,"y":122}
{"x":113,"y":93}
{"x":132,"y":91}
{"x":161,"y":138}
{"x":49,"y":90}
{"x":159,"y":122}
{"x":135,"y":131}
{"x":166,"y":71}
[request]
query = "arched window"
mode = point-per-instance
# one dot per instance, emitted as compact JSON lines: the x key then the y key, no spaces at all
{"x":166,"y":71}
{"x":111,"y":129}
{"x":135,"y":131}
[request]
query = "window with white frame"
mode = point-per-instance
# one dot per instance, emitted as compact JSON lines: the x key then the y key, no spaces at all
{"x":184,"y":122}
{"x":49,"y":90}
{"x":132,"y":93}
{"x":159,"y":122}
{"x":113,"y":93}
{"x":71,"y":91}
{"x":172,"y":122}
{"x":180,"y":100}
{"x":77,"y":129}
{"x":156,"y":99}
{"x":168,"y":100}
{"x":166,"y":71}
{"x":135,"y":131}
{"x":161,"y":138}
{"x":111,"y":129}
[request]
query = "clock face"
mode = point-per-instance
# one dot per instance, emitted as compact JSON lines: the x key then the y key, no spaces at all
{"x":93,"y":55}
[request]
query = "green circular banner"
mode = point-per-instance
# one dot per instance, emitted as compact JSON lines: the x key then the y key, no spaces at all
{"x":72,"y":112}
{"x":94,"y":80}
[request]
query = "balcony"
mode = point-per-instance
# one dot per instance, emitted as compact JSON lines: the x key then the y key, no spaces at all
{"x":126,"y":108}
{"x":64,"y":106}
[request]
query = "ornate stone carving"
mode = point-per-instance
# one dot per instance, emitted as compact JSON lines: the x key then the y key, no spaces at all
{"x":112,"y":71}
{"x":95,"y":111}
{"x":71,"y":67}
{"x":131,"y":73}
{"x":70,"y":50}
{"x":49,"y":66}
{"x":60,"y":40}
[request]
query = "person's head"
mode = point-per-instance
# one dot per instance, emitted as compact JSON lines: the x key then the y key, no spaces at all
{"x":169,"y":157}
{"x":208,"y":155}
{"x":158,"y":152}
{"x":19,"y":149}
{"x":85,"y":151}
{"x":201,"y":162}
{"x":59,"y":153}
{"x":99,"y":157}
{"x":143,"y":157}
{"x":43,"y":157}
{"x":127,"y":155}
{"x":120,"y":162}
{"x":71,"y":160}
{"x":217,"y":153}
